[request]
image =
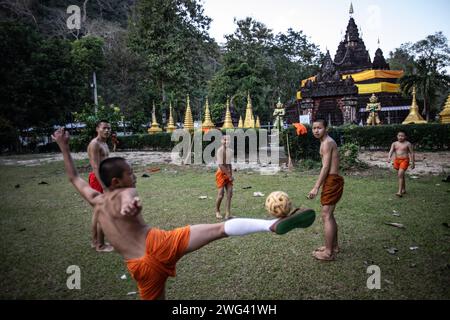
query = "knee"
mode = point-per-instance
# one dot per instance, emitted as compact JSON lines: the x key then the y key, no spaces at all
{"x":220,"y":194}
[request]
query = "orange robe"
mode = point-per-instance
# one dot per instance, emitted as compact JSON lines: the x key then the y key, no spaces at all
{"x":163,"y":250}
{"x":332,"y":190}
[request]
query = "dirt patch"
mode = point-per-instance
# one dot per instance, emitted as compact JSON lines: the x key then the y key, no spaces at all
{"x":434,"y":163}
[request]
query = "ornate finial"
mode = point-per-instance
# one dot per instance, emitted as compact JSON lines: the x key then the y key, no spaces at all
{"x":378,"y":42}
{"x":249,"y":121}
{"x":373,"y":98}
{"x":279,"y":104}
{"x":171,"y":125}
{"x":351,"y":11}
{"x":258,"y":123}
{"x":241,"y":123}
{"x":155,"y":126}
{"x":414,"y":114}
{"x":188,"y":121}
{"x":445,"y":114}
{"x":228,"y":123}
{"x":207,"y":124}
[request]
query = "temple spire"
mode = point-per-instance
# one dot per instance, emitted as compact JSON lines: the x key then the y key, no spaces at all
{"x":414,"y":115}
{"x":228,"y":123}
{"x":207,"y":124}
{"x":155,"y":125}
{"x":188,"y":122}
{"x":351,"y":11}
{"x":171,"y":126}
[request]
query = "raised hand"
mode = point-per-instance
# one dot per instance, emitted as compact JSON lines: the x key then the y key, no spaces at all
{"x":61,"y":137}
{"x":134,"y":207}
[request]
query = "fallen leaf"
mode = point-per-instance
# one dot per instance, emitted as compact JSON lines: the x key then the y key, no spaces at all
{"x":145,"y":175}
{"x":392,"y":250}
{"x":203,"y":197}
{"x":131,"y":293}
{"x":124,"y":277}
{"x":397,"y":225}
{"x":258,"y":194}
{"x":413,"y":248}
{"x":43,"y":182}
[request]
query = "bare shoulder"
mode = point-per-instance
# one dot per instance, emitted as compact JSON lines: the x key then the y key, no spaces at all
{"x":93,"y":145}
{"x":330,"y":143}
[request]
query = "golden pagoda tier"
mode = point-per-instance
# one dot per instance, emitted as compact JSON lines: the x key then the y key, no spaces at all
{"x":249,"y":121}
{"x":155,"y":125}
{"x":171,"y":125}
{"x":241,"y":123}
{"x":207,"y":124}
{"x":228,"y":123}
{"x":188,"y":121}
{"x":414,"y":116}
{"x":445,"y":114}
{"x":258,"y":123}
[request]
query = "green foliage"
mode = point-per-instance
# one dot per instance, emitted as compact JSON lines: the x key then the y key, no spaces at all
{"x":88,"y":116}
{"x":267,"y":66}
{"x":348,"y":156}
{"x":424,"y":137}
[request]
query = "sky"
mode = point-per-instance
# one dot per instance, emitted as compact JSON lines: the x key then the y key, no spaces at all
{"x":324,"y":21}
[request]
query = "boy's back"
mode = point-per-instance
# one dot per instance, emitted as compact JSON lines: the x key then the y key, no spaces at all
{"x":126,"y":233}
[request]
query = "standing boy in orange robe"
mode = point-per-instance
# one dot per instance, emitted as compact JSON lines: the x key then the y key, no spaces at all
{"x":404,"y":154}
{"x":224,"y":176}
{"x":332,"y":188}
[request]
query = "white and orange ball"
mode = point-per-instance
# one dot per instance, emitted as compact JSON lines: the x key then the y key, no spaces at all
{"x":278,"y":204}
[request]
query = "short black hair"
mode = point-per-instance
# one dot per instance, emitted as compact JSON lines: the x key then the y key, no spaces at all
{"x":110,"y":168}
{"x":101,"y":121}
{"x":401,"y":131}
{"x":324,"y":122}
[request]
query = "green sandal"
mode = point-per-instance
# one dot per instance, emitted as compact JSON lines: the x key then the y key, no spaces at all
{"x":301,"y":218}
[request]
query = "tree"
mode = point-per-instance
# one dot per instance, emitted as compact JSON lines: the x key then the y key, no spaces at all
{"x":267,"y":66}
{"x":172,"y":36}
{"x":431,"y":57}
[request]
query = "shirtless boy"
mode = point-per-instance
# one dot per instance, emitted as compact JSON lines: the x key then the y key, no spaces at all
{"x":224,"y":176}
{"x":151,"y":254}
{"x":98,"y":151}
{"x":332,"y":188}
{"x":404,"y":154}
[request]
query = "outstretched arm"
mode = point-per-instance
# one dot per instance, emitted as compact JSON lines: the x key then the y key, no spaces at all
{"x":61,"y":137}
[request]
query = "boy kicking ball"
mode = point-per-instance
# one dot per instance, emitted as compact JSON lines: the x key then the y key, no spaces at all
{"x":151,"y":254}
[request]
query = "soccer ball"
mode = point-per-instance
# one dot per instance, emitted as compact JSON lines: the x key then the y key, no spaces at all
{"x":278,"y":204}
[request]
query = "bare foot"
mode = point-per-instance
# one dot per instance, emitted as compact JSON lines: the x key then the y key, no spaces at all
{"x":322,"y":249}
{"x":323,"y":256}
{"x":228,"y":217}
{"x":403,"y":191}
{"x":399,"y":195}
{"x":218,"y":215}
{"x":94,"y":245}
{"x":105,"y":248}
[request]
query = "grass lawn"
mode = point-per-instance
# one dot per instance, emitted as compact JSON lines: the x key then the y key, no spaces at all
{"x":46,"y":228}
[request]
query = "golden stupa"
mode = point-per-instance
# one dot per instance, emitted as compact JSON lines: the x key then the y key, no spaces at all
{"x":228,"y":123}
{"x":171,"y":125}
{"x":258,"y":123}
{"x":249,"y":121}
{"x":241,"y":123}
{"x":207,"y":124}
{"x":155,"y":125}
{"x":414,"y":116}
{"x":445,"y":114}
{"x":188,"y":122}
